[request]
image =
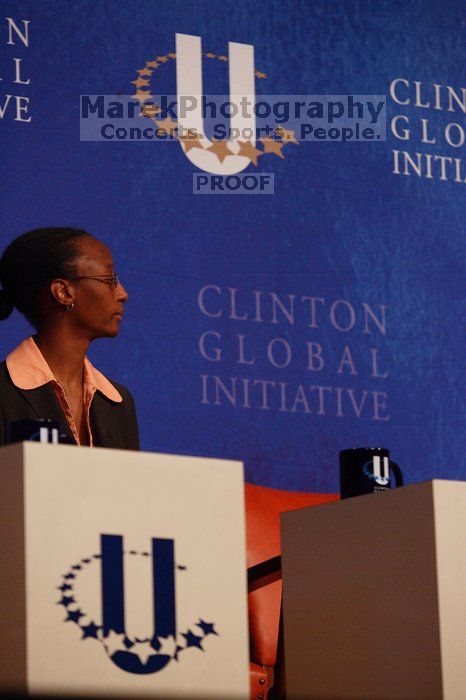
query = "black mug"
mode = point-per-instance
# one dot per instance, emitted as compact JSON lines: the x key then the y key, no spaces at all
{"x":39,"y":430}
{"x":367,"y":470}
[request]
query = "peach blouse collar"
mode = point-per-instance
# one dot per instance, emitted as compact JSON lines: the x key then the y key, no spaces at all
{"x":28,"y":369}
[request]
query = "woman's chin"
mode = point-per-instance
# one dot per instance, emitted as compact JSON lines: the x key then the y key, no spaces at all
{"x":111,"y":331}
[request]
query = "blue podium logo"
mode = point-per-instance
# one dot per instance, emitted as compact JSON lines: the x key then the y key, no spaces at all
{"x":140,"y":655}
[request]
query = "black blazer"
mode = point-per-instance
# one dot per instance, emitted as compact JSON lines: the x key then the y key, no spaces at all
{"x":113,"y":424}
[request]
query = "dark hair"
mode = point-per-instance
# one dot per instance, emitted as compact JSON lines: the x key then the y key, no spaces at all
{"x":30,"y":262}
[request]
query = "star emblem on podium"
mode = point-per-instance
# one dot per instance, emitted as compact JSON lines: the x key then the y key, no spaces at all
{"x":139,"y":655}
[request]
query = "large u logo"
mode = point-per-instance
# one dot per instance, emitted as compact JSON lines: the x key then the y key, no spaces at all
{"x":189,"y":82}
{"x":113,"y":598}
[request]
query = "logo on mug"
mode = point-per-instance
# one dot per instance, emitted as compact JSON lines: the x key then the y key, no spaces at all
{"x":367,"y":470}
{"x":378,"y":470}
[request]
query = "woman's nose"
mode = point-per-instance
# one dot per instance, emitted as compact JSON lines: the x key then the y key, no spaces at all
{"x":122,"y":294}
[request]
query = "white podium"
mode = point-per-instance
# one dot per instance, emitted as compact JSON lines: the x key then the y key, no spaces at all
{"x":121,"y":574}
{"x":375,"y":596}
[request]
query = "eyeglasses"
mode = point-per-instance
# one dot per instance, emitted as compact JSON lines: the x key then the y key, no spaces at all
{"x":107,"y":279}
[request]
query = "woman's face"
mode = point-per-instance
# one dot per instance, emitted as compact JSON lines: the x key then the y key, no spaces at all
{"x":98,"y":304}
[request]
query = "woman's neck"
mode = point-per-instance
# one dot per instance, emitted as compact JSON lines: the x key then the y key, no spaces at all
{"x":64,"y":355}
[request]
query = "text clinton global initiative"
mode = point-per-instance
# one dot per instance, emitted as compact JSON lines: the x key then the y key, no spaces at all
{"x":267,"y":395}
{"x":286,"y":341}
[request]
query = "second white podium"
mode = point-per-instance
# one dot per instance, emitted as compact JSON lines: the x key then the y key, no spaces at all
{"x":375,"y":596}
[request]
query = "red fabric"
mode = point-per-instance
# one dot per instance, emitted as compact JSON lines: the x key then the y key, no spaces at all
{"x":263,"y":508}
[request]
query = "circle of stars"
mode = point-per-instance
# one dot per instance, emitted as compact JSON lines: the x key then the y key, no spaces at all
{"x":73,"y":612}
{"x":114,"y":642}
{"x":269,"y":145}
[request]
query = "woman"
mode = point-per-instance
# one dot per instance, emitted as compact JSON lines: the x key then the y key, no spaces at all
{"x":62,"y":280}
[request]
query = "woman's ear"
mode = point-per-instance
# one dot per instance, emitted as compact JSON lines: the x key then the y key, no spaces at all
{"x":63,"y":292}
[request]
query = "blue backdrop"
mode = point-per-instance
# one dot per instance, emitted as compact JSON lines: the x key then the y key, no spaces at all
{"x":344,"y":326}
